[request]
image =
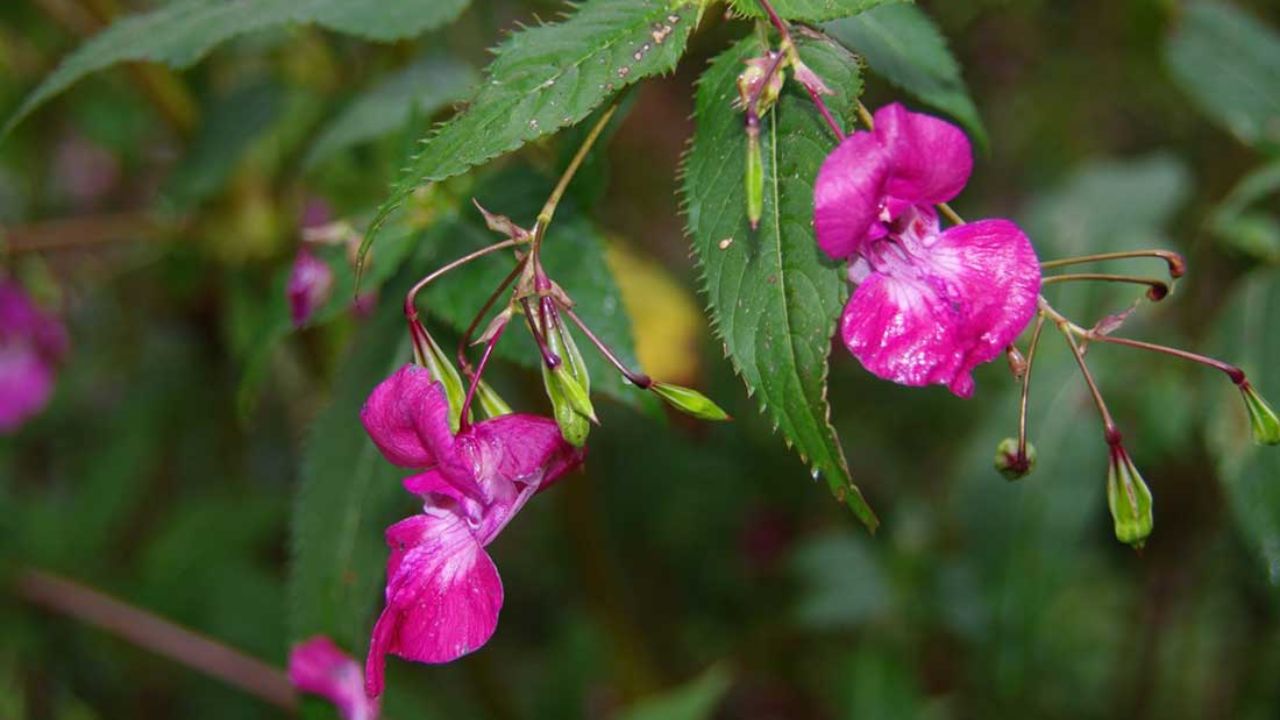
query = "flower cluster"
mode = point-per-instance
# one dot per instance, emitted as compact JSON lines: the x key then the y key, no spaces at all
{"x":443,"y":591}
{"x":930,"y":304}
{"x":32,"y":343}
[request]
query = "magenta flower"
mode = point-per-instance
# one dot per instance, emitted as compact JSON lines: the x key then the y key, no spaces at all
{"x":31,"y":345}
{"x":319,"y":667}
{"x":443,"y":591}
{"x":930,"y":305}
{"x":310,"y":283}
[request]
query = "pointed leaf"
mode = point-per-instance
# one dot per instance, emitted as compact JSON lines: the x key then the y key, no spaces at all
{"x":546,"y":78}
{"x":773,"y":297}
{"x":182,"y":32}
{"x":809,"y":10}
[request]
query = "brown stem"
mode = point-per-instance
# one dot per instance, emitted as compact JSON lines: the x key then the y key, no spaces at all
{"x":1026,"y":387}
{"x":465,"y":342}
{"x":475,"y":378}
{"x":77,"y":233}
{"x":410,"y":300}
{"x":160,"y":636}
{"x":1157,"y":289}
{"x":1236,"y":374}
{"x":638,"y":379}
{"x":1177,"y":265}
{"x":1109,"y":425}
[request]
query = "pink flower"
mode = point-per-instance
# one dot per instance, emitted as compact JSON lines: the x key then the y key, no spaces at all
{"x":930,"y":305}
{"x":319,"y":667}
{"x":310,"y":283}
{"x":31,"y":345}
{"x":443,"y":591}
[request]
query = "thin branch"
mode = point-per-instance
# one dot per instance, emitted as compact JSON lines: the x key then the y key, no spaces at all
{"x":160,"y":636}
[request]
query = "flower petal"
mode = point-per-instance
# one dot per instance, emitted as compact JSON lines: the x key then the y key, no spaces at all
{"x":848,"y":193}
{"x":26,"y":383}
{"x":443,"y":595}
{"x":929,"y":159}
{"x":319,"y":667}
{"x":520,"y":448}
{"x":958,"y":304}
{"x":310,"y":284}
{"x":390,"y":416}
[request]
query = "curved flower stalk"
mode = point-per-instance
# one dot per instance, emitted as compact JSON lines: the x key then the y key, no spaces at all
{"x":319,"y":667}
{"x":32,"y":343}
{"x":930,"y":304}
{"x":443,"y":592}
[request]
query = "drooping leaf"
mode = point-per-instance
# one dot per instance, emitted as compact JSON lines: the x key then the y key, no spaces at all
{"x":346,"y":489}
{"x":422,"y":88}
{"x":902,"y":44}
{"x":1230,"y":65}
{"x":546,"y":78}
{"x":809,"y":10}
{"x":182,"y":32}
{"x":774,"y":298}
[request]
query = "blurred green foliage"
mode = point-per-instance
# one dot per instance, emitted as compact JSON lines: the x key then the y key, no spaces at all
{"x":692,"y":571}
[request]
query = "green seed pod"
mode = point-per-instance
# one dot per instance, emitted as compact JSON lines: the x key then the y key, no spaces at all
{"x":1129,"y":499}
{"x":1262,"y":419}
{"x":690,"y":402}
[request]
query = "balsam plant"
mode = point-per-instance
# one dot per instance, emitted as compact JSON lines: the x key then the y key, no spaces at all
{"x":814,"y":222}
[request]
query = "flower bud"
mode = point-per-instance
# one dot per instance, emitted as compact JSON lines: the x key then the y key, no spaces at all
{"x":752,"y":83}
{"x":754,"y":178}
{"x":429,"y":355}
{"x":1262,"y":419}
{"x":689,"y":401}
{"x":1012,"y":464}
{"x":310,"y":283}
{"x":1129,"y":499}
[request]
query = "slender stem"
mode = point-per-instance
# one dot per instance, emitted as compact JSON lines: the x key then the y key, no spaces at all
{"x":475,"y":378}
{"x":1109,"y":425}
{"x":952,"y":216}
{"x":1026,"y":387}
{"x":158,"y":635}
{"x":1157,"y":289}
{"x":785,"y":32}
{"x":410,"y":300}
{"x":553,"y":200}
{"x":1236,"y":374}
{"x":638,"y":379}
{"x":465,"y":342}
{"x":551,"y":359}
{"x":1177,"y":265}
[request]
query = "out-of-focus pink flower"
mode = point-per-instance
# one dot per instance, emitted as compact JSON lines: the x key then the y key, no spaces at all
{"x":319,"y":667}
{"x":85,"y":171}
{"x":310,"y":284}
{"x":31,"y":345}
{"x":930,"y":305}
{"x":443,"y":591}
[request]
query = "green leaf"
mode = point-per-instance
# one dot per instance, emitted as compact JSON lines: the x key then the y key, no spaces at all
{"x":182,"y":32}
{"x":809,"y":10}
{"x":346,"y":489}
{"x":773,"y":297}
{"x":696,"y":700}
{"x":1230,"y":65}
{"x":420,"y":90}
{"x":902,"y":44}
{"x":546,"y":78}
{"x":229,"y":127}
